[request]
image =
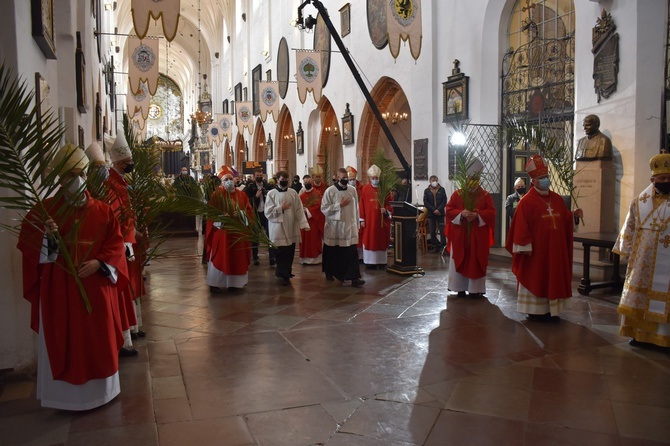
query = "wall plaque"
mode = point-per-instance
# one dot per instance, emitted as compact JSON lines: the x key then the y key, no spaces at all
{"x":605,"y":56}
{"x":420,"y":166}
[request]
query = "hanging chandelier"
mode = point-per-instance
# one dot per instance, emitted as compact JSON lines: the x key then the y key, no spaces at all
{"x":203,"y":114}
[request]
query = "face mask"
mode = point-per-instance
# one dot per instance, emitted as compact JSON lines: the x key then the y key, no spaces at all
{"x":101,"y":174}
{"x":75,"y":187}
{"x":344,"y":181}
{"x":374,"y":183}
{"x":184,"y":172}
{"x":662,"y":188}
{"x":129,"y":168}
{"x":544,"y":183}
{"x":259,"y":179}
{"x":352,"y":181}
{"x":283,"y":183}
{"x":308,"y":186}
{"x":229,"y":185}
{"x":434,"y":184}
{"x":521,"y":190}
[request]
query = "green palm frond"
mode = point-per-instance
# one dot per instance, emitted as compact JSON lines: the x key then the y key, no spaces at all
{"x":28,"y":147}
{"x":388,"y":178}
{"x":558,"y":156}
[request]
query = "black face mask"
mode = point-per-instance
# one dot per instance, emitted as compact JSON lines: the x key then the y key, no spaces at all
{"x":308,"y":186}
{"x":283,"y":183}
{"x":129,"y":168}
{"x":344,"y":181}
{"x":259,"y":179}
{"x":662,"y":188}
{"x":521,"y":190}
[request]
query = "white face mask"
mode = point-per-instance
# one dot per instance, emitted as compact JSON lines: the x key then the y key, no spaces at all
{"x":375,"y":183}
{"x":229,"y":185}
{"x":434,"y":184}
{"x":76,"y":186}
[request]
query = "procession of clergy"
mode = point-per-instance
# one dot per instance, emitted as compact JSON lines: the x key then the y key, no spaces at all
{"x":337,"y":226}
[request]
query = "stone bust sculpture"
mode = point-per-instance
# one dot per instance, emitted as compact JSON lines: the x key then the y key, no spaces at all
{"x":595,"y":145}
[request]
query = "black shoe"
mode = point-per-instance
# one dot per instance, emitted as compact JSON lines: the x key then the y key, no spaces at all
{"x":475,"y":295}
{"x":127,"y":352}
{"x":215,"y":290}
{"x":141,"y":333}
{"x":459,"y":294}
{"x":357,"y":283}
{"x":329,"y":277}
{"x":273,"y":262}
{"x":648,"y":346}
{"x":256,"y":262}
{"x":370,"y":266}
{"x":546,"y":317}
{"x":133,"y":336}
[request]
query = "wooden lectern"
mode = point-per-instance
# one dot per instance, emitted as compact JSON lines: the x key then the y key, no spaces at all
{"x":404,"y":256}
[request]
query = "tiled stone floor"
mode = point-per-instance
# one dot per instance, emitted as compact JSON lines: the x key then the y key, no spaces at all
{"x":395,"y":363}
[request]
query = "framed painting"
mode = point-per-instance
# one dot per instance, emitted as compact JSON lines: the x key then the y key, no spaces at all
{"x":345,"y":19}
{"x":300,"y":139}
{"x":224,"y":106}
{"x":268,"y":76}
{"x":42,"y":12}
{"x":244,"y":94}
{"x":238,"y":92}
{"x":347,"y":127}
{"x":42,"y":98}
{"x":455,"y":99}
{"x":256,"y":77}
{"x":377,"y":23}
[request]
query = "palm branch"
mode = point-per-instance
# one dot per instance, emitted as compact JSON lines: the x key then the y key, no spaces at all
{"x":547,"y":146}
{"x":28,"y":146}
{"x":388,"y":178}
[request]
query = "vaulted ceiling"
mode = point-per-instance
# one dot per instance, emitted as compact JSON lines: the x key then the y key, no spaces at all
{"x":179,"y":59}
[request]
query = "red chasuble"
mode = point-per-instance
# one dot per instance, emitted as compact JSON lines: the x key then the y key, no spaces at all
{"x":311,"y":244}
{"x":470,"y":252}
{"x":226,"y":254}
{"x":546,"y":222}
{"x":376,"y":236}
{"x":321,"y":188}
{"x":81,"y":346}
{"x":119,"y":199}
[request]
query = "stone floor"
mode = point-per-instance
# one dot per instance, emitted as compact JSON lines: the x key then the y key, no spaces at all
{"x":395,"y":363}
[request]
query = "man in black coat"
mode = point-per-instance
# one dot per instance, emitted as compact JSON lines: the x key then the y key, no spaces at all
{"x":435,"y":200}
{"x":257,"y":191}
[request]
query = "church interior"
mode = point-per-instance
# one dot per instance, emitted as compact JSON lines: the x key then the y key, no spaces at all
{"x":305,"y":86}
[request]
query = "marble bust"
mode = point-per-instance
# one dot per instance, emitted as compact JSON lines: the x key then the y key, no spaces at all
{"x":595,"y":145}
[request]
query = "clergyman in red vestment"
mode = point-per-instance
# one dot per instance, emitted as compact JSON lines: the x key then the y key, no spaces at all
{"x":540,"y":241}
{"x":77,"y":367}
{"x":311,"y":242}
{"x":469,"y":235}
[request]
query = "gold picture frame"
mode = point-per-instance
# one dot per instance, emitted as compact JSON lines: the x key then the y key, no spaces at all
{"x":42,"y":12}
{"x":455,"y":99}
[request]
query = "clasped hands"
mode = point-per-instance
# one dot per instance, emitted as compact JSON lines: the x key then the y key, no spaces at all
{"x":469,"y":215}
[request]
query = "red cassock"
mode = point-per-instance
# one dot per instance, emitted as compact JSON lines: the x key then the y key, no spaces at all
{"x":119,"y":199}
{"x":470,"y":250}
{"x":547,"y":223}
{"x":377,"y":230}
{"x":228,"y":255}
{"x":320,"y":188}
{"x":81,"y":346}
{"x":311,"y":244}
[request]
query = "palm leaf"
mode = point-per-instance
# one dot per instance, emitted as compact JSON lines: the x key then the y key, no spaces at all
{"x":27,"y":150}
{"x":388,"y":178}
{"x":559,"y":156}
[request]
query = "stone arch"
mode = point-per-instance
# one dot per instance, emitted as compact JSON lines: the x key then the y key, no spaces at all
{"x":285,"y":143}
{"x":258,"y":152}
{"x":240,"y":154}
{"x":390,"y":98}
{"x":328,"y":138}
{"x":227,"y":153}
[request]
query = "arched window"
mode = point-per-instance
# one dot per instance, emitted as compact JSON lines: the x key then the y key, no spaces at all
{"x":538,"y":72}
